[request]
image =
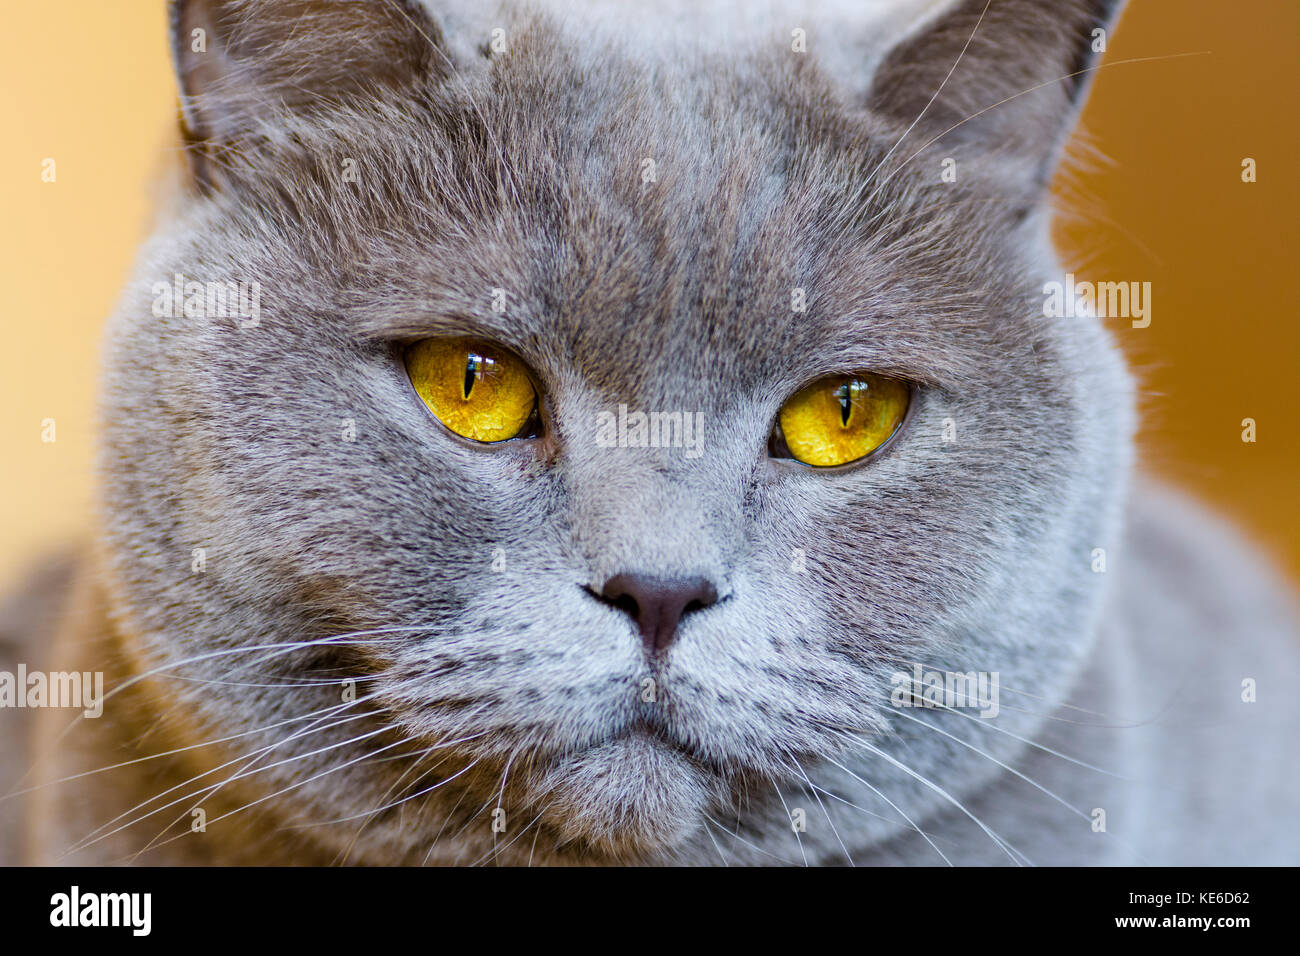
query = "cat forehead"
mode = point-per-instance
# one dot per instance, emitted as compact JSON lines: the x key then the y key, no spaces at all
{"x":732,"y":156}
{"x":851,"y":35}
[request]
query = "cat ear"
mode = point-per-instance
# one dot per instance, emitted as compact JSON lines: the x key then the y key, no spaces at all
{"x":239,"y":63}
{"x":1001,"y":80}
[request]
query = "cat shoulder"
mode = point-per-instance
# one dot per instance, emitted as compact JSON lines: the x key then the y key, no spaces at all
{"x":1214,"y":579}
{"x":1210,"y":631}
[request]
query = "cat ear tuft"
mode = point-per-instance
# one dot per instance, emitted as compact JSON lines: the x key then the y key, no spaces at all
{"x":1007,"y":78}
{"x":240,"y":63}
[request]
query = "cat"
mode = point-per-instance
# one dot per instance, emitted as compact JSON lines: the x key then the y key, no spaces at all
{"x":336,"y":627}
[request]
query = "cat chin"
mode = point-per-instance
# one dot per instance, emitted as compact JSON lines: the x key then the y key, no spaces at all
{"x":632,"y":798}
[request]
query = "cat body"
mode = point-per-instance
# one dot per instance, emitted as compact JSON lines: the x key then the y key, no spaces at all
{"x":337,"y":633}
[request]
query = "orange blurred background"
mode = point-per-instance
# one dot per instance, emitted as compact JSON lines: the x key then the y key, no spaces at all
{"x":1159,"y":198}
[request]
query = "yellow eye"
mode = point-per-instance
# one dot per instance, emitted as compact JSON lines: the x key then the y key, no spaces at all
{"x":476,"y":389}
{"x":842,"y":418}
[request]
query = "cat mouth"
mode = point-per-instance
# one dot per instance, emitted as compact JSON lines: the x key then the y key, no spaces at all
{"x":654,"y":734}
{"x":636,"y":794}
{"x":651,"y":732}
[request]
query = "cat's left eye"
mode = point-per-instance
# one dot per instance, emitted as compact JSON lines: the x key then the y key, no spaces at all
{"x":840,"y":419}
{"x":476,"y":388}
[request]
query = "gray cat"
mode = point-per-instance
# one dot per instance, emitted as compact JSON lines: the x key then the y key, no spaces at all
{"x":631,"y":433}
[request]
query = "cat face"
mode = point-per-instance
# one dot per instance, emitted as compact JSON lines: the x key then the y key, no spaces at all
{"x":426,"y":623}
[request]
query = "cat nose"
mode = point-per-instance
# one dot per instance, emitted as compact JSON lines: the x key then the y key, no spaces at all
{"x":657,"y":604}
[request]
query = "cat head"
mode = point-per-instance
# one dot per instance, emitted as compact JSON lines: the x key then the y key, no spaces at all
{"x":643,"y":620}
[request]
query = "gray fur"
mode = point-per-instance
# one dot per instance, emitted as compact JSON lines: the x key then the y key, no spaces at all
{"x":522,"y":171}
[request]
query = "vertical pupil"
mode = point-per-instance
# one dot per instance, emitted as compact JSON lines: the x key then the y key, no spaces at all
{"x":846,"y":403}
{"x":472,"y":363}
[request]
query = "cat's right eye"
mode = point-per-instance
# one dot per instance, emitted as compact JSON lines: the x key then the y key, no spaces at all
{"x":477,"y":389}
{"x":840,"y":419}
